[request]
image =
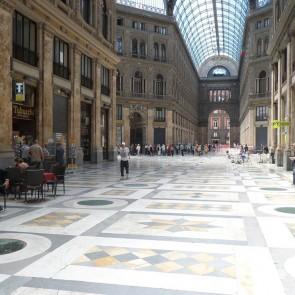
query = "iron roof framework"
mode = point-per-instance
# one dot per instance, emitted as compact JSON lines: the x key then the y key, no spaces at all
{"x":212,"y":27}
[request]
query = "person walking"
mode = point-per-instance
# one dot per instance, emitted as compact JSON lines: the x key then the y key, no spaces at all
{"x":60,"y":154}
{"x":124,"y":164}
{"x":36,"y":154}
{"x":138,"y":149}
{"x":182,"y":149}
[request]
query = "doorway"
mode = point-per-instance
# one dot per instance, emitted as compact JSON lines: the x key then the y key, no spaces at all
{"x":136,"y":129}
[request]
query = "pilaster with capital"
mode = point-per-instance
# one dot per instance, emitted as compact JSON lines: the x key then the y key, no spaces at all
{"x":150,"y":127}
{"x":112,"y":115}
{"x":47,"y":66}
{"x":97,"y":114}
{"x":6,"y":155}
{"x":75,"y":100}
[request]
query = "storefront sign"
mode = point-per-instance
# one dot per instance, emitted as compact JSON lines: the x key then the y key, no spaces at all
{"x":23,"y":112}
{"x":279,"y":124}
{"x":20,"y":92}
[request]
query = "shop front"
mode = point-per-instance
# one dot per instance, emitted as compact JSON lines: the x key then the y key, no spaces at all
{"x":61,"y":120}
{"x":24,"y":105}
{"x":86,"y":130}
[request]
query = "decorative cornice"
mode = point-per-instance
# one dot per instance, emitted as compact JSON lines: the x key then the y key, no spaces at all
{"x":8,"y":5}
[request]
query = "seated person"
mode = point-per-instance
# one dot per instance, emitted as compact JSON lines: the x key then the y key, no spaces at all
{"x":19,"y":163}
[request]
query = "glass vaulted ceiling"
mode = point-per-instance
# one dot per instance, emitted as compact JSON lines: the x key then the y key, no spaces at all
{"x":212,"y":27}
{"x":157,"y":6}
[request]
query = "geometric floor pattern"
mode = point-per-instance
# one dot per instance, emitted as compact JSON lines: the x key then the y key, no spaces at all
{"x":177,"y":226}
{"x":159,"y":260}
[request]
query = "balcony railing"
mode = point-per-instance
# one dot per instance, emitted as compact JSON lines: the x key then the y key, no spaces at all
{"x":25,"y":55}
{"x":160,"y":120}
{"x":261,"y":95}
{"x":261,"y":118}
{"x":61,"y":71}
{"x":86,"y":82}
{"x":105,"y":90}
{"x":143,"y":95}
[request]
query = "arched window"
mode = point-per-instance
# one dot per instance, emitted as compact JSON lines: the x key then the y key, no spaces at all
{"x":134,"y":47}
{"x":163,"y":53}
{"x":262,"y":83}
{"x":266,"y":42}
{"x":86,"y":10}
{"x":104,"y":20}
{"x":156,"y":51}
{"x":159,"y":86}
{"x":119,"y":83}
{"x":138,"y":84}
{"x":142,"y":49}
{"x":259,"y":47}
{"x":119,"y":45}
{"x":218,"y":71}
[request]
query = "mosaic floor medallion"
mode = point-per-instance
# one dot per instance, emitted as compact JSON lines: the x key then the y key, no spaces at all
{"x":95,"y":202}
{"x":288,"y":210}
{"x":20,"y":246}
{"x":8,"y":246}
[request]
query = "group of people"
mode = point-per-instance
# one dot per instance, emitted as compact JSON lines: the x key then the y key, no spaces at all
{"x":161,"y":150}
{"x":172,"y":149}
{"x":34,"y":155}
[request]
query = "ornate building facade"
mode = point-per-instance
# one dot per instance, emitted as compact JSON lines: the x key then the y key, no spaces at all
{"x":255,"y":76}
{"x":58,"y":75}
{"x":282,"y":52}
{"x":219,"y":127}
{"x":157,"y":84}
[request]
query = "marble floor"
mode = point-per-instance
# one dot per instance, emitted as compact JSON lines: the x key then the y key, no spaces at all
{"x":176,"y":226}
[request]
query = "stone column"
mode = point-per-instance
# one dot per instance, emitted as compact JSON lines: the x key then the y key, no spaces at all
{"x":169,"y":127}
{"x":272,"y":111}
{"x":292,"y":98}
{"x":112,"y":116}
{"x":96,"y":142}
{"x":6,"y":153}
{"x":40,"y":41}
{"x":279,"y":151}
{"x":75,"y":104}
{"x":150,"y":127}
{"x":287,"y":151}
{"x":126,"y":126}
{"x":47,"y":98}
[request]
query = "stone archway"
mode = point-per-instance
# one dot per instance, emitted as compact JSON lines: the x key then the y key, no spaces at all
{"x":230,"y":104}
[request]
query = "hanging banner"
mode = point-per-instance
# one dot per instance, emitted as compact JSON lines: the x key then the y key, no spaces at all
{"x":279,"y":124}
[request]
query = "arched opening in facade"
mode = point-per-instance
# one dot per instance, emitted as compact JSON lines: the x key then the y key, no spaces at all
{"x":137,"y":129}
{"x":219,"y":128}
{"x":219,"y":71}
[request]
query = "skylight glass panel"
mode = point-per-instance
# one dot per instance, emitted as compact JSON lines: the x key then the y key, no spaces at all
{"x":212,"y":27}
{"x":157,"y":6}
{"x":261,"y":3}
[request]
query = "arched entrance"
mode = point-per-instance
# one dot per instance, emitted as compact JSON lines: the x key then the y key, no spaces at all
{"x":137,"y":129}
{"x":219,"y":127}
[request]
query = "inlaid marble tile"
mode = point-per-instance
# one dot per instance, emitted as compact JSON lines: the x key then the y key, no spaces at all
{"x":42,"y":291}
{"x":213,"y":264}
{"x":56,"y":219}
{"x":175,"y":226}
{"x":190,"y":207}
{"x":196,"y":195}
